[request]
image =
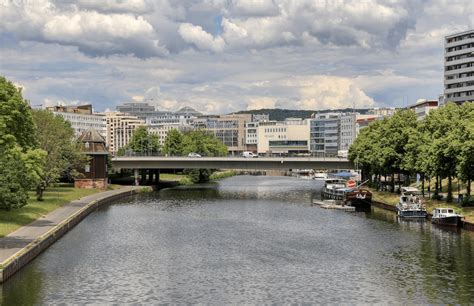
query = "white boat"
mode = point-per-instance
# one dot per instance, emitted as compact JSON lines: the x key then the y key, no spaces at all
{"x":320,"y":176}
{"x":446,"y":216}
{"x":410,"y":204}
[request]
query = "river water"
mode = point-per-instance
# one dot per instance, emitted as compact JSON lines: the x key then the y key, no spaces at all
{"x":247,"y":239}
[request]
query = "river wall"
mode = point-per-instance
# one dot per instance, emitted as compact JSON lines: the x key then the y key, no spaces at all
{"x":41,"y":243}
{"x":464,"y":224}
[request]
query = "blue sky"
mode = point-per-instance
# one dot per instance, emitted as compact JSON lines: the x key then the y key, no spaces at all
{"x":224,"y":56}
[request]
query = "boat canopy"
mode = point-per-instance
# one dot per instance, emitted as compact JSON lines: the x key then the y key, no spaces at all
{"x":344,"y":174}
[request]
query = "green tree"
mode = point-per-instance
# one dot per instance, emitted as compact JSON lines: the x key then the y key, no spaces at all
{"x":173,"y":145}
{"x":64,"y":157}
{"x":465,"y":160}
{"x":19,"y":171}
{"x":143,"y":142}
{"x":443,"y":127}
{"x":204,"y":143}
{"x":21,"y":165}
{"x":16,"y":115}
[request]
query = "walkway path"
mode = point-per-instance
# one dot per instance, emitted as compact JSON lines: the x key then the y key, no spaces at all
{"x":25,"y":235}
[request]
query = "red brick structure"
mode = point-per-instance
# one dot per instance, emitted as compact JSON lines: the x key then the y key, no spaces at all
{"x":95,"y":171}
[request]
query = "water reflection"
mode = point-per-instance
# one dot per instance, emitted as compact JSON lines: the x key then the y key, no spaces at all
{"x":247,"y":240}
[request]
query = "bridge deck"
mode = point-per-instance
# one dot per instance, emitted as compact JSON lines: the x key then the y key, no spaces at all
{"x":261,"y":163}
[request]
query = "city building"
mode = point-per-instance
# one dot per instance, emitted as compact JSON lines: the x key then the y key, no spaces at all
{"x":251,"y":132}
{"x":141,"y":110}
{"x":230,"y":129}
{"x":363,"y":121}
{"x":188,"y":112}
{"x":382,"y":111}
{"x":283,"y":137}
{"x":324,"y":134}
{"x":459,"y":67}
{"x":120,"y":128}
{"x":347,"y":131}
{"x":423,"y":107}
{"x":81,"y":118}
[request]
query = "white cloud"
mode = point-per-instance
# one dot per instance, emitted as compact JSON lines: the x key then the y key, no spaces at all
{"x":94,"y":33}
{"x":261,"y":102}
{"x":200,"y":38}
{"x":115,"y":6}
{"x":328,"y":92}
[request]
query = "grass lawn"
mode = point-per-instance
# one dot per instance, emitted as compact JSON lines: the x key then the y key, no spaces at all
{"x":54,"y":197}
{"x":182,"y":179}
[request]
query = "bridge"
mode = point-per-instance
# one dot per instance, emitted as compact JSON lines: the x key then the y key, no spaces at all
{"x":149,"y":166}
{"x":261,"y":163}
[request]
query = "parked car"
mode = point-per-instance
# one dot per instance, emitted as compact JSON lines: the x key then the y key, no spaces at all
{"x":248,"y":154}
{"x":193,"y":155}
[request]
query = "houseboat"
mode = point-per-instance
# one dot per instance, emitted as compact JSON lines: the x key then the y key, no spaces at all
{"x":446,"y":216}
{"x":410,"y":204}
{"x":336,"y":189}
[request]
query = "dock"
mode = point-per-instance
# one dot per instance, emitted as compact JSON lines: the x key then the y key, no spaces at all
{"x":333,"y":204}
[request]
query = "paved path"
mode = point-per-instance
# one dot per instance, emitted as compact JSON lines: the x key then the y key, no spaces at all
{"x":19,"y":239}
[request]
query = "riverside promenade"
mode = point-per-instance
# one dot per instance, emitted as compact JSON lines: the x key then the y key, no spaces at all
{"x":21,"y":246}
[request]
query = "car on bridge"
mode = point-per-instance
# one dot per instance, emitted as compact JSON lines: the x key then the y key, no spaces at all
{"x":248,"y":154}
{"x":192,"y":154}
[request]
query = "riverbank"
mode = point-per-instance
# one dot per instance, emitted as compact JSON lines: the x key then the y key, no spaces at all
{"x":392,"y":199}
{"x":183,"y":179}
{"x":22,"y":245}
{"x":53,"y":198}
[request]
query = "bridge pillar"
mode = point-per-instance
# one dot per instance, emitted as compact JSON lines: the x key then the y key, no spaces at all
{"x":143,"y":176}
{"x":135,"y":174}
{"x":157,"y":176}
{"x":150,"y":176}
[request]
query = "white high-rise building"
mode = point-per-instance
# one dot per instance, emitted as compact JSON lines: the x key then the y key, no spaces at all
{"x":81,"y":118}
{"x":459,"y":67}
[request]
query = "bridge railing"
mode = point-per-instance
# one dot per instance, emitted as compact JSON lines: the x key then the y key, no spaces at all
{"x":282,"y":155}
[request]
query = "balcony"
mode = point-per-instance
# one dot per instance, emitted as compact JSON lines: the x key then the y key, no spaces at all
{"x":459,"y":42}
{"x":459,"y":52}
{"x":459,"y":89}
{"x":459,"y":80}
{"x":460,"y":61}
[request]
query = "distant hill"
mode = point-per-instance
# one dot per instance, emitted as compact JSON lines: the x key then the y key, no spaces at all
{"x":281,"y":114}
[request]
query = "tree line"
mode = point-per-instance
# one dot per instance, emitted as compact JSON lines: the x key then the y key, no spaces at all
{"x":439,"y":146}
{"x":37,"y":148}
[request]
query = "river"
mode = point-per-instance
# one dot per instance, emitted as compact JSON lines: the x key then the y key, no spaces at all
{"x":247,"y":239}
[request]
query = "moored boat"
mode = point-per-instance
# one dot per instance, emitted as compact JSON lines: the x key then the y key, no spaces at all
{"x":410,"y":204}
{"x":336,"y":189}
{"x":446,"y":216}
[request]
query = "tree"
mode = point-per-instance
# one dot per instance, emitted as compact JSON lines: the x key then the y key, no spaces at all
{"x":16,"y":115}
{"x":198,"y":141}
{"x":173,"y":145}
{"x":144,"y":142}
{"x":465,"y":160}
{"x":204,"y":143}
{"x":57,"y":138}
{"x":21,"y":165}
{"x":19,"y":171}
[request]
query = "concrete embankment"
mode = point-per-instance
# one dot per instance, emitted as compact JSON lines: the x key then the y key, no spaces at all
{"x":21,"y":246}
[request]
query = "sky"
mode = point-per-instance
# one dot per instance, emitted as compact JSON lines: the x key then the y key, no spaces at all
{"x":221,"y":56}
